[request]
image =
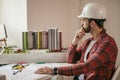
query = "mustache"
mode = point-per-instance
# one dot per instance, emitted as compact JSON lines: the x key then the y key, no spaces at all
{"x":87,"y":30}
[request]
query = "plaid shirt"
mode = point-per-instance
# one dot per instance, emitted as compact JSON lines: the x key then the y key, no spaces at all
{"x":100,"y":63}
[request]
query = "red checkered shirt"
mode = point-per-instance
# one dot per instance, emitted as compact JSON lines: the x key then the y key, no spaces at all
{"x":101,"y":59}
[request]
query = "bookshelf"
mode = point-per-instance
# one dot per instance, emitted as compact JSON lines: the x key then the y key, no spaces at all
{"x":33,"y":56}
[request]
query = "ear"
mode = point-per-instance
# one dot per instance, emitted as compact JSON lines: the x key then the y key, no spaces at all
{"x":92,"y":23}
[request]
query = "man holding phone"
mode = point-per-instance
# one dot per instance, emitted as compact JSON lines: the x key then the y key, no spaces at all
{"x":96,"y":57}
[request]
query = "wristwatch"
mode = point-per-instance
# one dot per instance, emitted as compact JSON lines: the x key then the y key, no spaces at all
{"x":55,"y":71}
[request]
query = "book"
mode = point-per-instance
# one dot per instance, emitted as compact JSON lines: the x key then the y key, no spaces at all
{"x":44,"y":39}
{"x":39,"y":40}
{"x":24,"y":40}
{"x":30,"y":37}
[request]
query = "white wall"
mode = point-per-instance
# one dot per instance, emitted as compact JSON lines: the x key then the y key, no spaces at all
{"x":44,"y":14}
{"x":112,"y":24}
{"x":14,"y":16}
{"x":0,"y":10}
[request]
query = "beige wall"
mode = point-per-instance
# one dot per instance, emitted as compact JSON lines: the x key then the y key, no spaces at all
{"x":112,"y":24}
{"x":44,"y":14}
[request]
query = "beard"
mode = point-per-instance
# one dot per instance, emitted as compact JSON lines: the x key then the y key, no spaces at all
{"x":87,"y":29}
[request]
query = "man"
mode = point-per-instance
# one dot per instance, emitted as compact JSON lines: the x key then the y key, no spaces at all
{"x":95,"y":59}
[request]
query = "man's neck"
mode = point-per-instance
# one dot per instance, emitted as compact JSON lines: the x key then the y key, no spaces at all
{"x":97,"y":33}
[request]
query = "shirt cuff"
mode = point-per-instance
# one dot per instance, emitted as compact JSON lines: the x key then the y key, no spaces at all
{"x":75,"y":46}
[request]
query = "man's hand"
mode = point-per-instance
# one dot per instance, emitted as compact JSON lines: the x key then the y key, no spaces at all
{"x":44,"y":70}
{"x":79,"y":34}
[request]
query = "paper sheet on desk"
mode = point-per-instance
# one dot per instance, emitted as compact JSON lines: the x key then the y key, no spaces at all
{"x":28,"y":72}
{"x":52,"y":65}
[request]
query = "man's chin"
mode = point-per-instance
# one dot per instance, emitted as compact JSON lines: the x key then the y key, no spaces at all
{"x":87,"y":31}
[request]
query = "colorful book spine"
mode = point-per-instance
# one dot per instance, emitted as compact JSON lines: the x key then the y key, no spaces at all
{"x":50,"y":39}
{"x":30,"y":38}
{"x":24,"y":35}
{"x":59,"y":41}
{"x":39,"y":40}
{"x":44,"y":39}
{"x":34,"y":40}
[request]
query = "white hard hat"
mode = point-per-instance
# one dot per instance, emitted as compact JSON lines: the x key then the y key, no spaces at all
{"x":93,"y":10}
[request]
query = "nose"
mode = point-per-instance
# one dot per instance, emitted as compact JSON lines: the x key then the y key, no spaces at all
{"x":82,"y":24}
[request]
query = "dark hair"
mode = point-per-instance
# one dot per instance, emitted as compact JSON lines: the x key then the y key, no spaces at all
{"x":99,"y":22}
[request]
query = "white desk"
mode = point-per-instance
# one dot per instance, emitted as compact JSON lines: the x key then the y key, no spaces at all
{"x":28,"y":72}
